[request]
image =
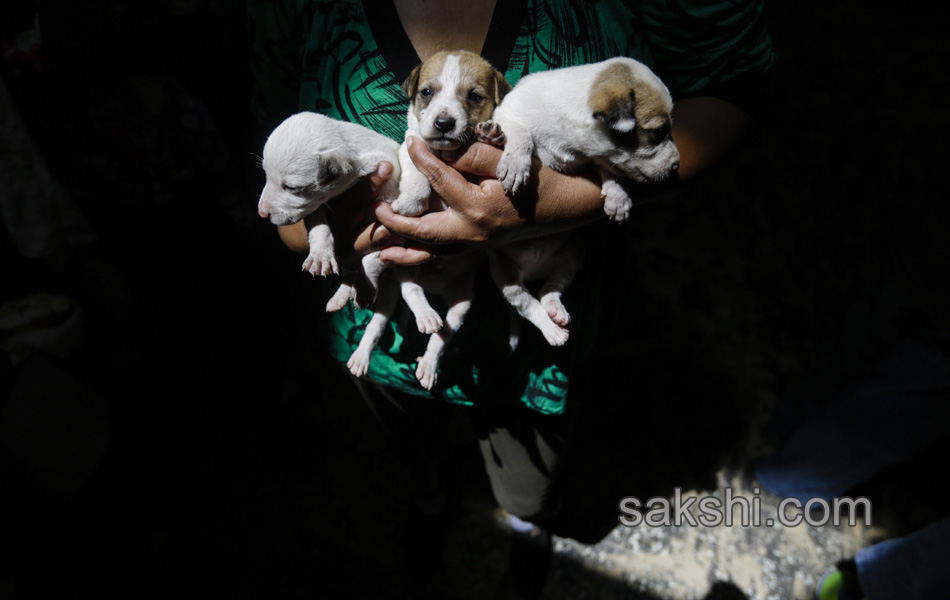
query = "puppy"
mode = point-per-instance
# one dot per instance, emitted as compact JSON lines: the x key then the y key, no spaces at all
{"x":310,"y":159}
{"x":616,"y":115}
{"x":449,"y":94}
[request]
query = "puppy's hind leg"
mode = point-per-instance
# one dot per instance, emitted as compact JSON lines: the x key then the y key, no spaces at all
{"x":566,"y":262}
{"x":428,"y":319}
{"x":343,"y":294}
{"x":360,"y":359}
{"x":365,"y":281}
{"x":427,"y":371}
{"x":509,"y":280}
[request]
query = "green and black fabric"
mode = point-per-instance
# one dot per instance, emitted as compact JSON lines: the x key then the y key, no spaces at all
{"x":346,"y":59}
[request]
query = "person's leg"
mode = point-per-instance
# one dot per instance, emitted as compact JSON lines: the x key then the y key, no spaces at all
{"x":522,"y":452}
{"x":907,"y":568}
{"x":889,"y":416}
{"x":416,"y":429}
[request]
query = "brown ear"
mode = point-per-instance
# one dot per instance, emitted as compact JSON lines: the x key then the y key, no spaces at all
{"x":411,"y":84}
{"x":615,"y":108}
{"x":502,"y":87}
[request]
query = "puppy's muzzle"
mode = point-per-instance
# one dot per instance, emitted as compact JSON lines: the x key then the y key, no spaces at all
{"x":444,"y":123}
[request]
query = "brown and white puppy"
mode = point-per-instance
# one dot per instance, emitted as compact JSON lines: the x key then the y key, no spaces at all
{"x":449,"y":94}
{"x":614,"y":114}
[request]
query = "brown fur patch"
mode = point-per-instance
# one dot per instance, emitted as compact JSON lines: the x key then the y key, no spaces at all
{"x":477,"y":75}
{"x":617,"y":94}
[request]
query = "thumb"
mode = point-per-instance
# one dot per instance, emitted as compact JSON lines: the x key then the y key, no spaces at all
{"x":445,"y":181}
{"x":379,"y":177}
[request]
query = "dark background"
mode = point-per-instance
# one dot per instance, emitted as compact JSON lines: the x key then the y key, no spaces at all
{"x":239,"y":462}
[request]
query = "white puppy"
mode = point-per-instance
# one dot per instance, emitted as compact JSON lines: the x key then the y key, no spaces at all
{"x":614,"y":114}
{"x":310,"y":159}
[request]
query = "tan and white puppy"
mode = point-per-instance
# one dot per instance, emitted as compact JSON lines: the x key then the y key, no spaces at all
{"x":310,"y":159}
{"x":449,"y":94}
{"x":614,"y":114}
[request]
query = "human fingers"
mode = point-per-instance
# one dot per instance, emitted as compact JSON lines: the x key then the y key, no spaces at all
{"x":433,"y":228}
{"x":445,"y":181}
{"x":414,"y":255}
{"x":379,"y":177}
{"x":479,"y":159}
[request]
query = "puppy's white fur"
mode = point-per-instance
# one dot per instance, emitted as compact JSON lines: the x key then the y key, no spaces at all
{"x":449,"y":94}
{"x":614,"y":114}
{"x":310,"y":159}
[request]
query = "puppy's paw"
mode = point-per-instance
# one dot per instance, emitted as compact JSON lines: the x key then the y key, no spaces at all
{"x":489,"y":132}
{"x":343,"y":294}
{"x":359,"y":363}
{"x":555,"y":308}
{"x":410,"y":205}
{"x":427,"y":372}
{"x":428,"y":321}
{"x":555,"y":334}
{"x":617,"y":204}
{"x":321,"y":263}
{"x":514,"y":170}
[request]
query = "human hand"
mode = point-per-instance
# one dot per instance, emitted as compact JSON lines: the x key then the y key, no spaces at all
{"x":479,"y":212}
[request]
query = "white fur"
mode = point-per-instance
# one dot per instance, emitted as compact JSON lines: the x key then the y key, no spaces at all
{"x":548,"y":115}
{"x":310,"y":159}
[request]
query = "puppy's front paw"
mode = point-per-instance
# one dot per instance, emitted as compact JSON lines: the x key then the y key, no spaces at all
{"x":427,"y":372}
{"x":489,"y":132}
{"x":555,"y":308}
{"x":359,"y":363}
{"x":617,"y":204}
{"x":428,"y":320}
{"x":321,"y":262}
{"x":410,"y":205}
{"x":513,"y":171}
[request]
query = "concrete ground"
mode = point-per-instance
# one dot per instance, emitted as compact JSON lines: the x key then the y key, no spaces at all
{"x":200,"y":443}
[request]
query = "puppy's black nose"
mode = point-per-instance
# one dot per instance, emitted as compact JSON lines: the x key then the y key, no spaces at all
{"x":444,"y":123}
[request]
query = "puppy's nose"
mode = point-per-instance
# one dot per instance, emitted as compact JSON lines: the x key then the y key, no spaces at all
{"x":444,"y":123}
{"x":262,"y":209}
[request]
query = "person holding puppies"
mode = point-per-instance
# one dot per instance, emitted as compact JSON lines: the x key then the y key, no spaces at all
{"x":348,"y":59}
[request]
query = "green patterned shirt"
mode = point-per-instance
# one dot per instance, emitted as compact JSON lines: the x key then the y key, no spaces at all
{"x":338,"y":58}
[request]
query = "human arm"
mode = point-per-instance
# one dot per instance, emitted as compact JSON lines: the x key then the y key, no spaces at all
{"x":705,"y":129}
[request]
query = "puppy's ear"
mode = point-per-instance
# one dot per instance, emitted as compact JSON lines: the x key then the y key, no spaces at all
{"x":330,"y":166}
{"x":411,"y":85}
{"x":617,"y":109}
{"x":502,"y":87}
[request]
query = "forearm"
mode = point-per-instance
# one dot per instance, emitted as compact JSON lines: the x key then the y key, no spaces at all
{"x":294,"y":237}
{"x":705,"y":130}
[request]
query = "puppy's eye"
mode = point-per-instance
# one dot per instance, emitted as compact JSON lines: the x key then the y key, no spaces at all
{"x":425,"y":93}
{"x":475,"y":97}
{"x":290,"y":188}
